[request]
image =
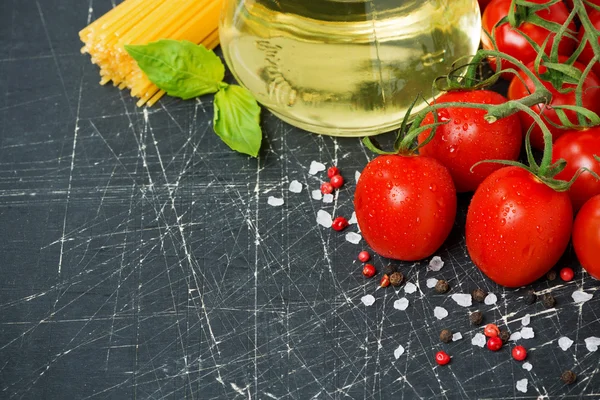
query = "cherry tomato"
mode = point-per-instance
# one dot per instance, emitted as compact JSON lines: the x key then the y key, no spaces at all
{"x":586,"y":236}
{"x":468,"y":138}
{"x":590,"y":100}
{"x":511,"y":42}
{"x":517,"y":227}
{"x":578,"y":148}
{"x":588,"y":53}
{"x":405,"y":205}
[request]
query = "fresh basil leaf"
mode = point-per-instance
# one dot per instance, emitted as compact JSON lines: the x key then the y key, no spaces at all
{"x":237,"y":119}
{"x":181,"y":68}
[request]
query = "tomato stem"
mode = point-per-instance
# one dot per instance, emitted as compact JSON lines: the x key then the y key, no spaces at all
{"x":591,"y":34}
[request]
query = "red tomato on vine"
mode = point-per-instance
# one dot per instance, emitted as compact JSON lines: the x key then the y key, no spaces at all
{"x":511,"y":42}
{"x":586,"y":236}
{"x":468,"y":138}
{"x":405,"y":205}
{"x":578,"y":149}
{"x":517,"y":227}
{"x":590,"y":100}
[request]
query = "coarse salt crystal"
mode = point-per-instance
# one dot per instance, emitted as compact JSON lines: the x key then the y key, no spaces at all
{"x":527,"y":333}
{"x":515,"y":336}
{"x":274,"y":201}
{"x":431,"y":282}
{"x":579,"y":296}
{"x":463,"y":299}
{"x":527,"y":366}
{"x":328,"y":198}
{"x":440,"y":312}
{"x":490,"y":299}
{"x":564,"y":343}
{"x":324,"y":218}
{"x":410,"y":288}
{"x":316,"y":167}
{"x":401,"y":304}
{"x":398,"y":352}
{"x":526,"y":320}
{"x":592,"y":343}
{"x":478,"y":340}
{"x":368,"y":300}
{"x":457,"y":336}
{"x":435,"y":264}
{"x":522,"y":385}
{"x":317,"y":195}
{"x":295,"y":186}
{"x":353,"y":237}
{"x":353,"y":219}
{"x":356,"y":176}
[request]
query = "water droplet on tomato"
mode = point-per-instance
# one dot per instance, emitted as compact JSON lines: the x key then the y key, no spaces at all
{"x":443,"y":115}
{"x":433,"y":187}
{"x":465,"y":127}
{"x":503,"y":221}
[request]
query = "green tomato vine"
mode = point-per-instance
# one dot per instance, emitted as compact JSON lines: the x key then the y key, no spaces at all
{"x":468,"y":77}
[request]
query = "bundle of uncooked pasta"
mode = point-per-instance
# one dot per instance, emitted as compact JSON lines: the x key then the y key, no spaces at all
{"x":141,"y":22}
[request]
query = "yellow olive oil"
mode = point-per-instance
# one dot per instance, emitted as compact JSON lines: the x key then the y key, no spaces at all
{"x":345,"y":67}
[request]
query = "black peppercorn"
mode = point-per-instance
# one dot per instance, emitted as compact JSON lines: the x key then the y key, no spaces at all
{"x":504,"y":335}
{"x":446,"y":336}
{"x":548,"y":300}
{"x":479,"y":295}
{"x":568,"y":377}
{"x":530,"y":297}
{"x":551,"y":275}
{"x":396,"y":278}
{"x":442,"y":286}
{"x":389,"y":270}
{"x":476,"y":318}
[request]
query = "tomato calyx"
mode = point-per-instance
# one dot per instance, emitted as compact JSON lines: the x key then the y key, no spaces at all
{"x":406,"y":143}
{"x":525,"y":11}
{"x":546,"y":170}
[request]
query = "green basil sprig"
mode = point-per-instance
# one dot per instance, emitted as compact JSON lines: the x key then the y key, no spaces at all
{"x":186,"y":70}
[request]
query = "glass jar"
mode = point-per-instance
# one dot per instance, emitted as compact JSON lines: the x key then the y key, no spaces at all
{"x":345,"y":67}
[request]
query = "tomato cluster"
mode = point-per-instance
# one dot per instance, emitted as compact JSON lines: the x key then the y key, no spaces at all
{"x":520,"y":219}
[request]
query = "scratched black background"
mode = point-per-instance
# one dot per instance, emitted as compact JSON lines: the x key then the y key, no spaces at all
{"x":141,"y":260}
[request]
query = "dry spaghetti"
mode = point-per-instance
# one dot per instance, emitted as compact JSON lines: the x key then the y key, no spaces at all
{"x":142,"y":22}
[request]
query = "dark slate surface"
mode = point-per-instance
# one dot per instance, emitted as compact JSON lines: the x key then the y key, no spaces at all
{"x":141,"y":260}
